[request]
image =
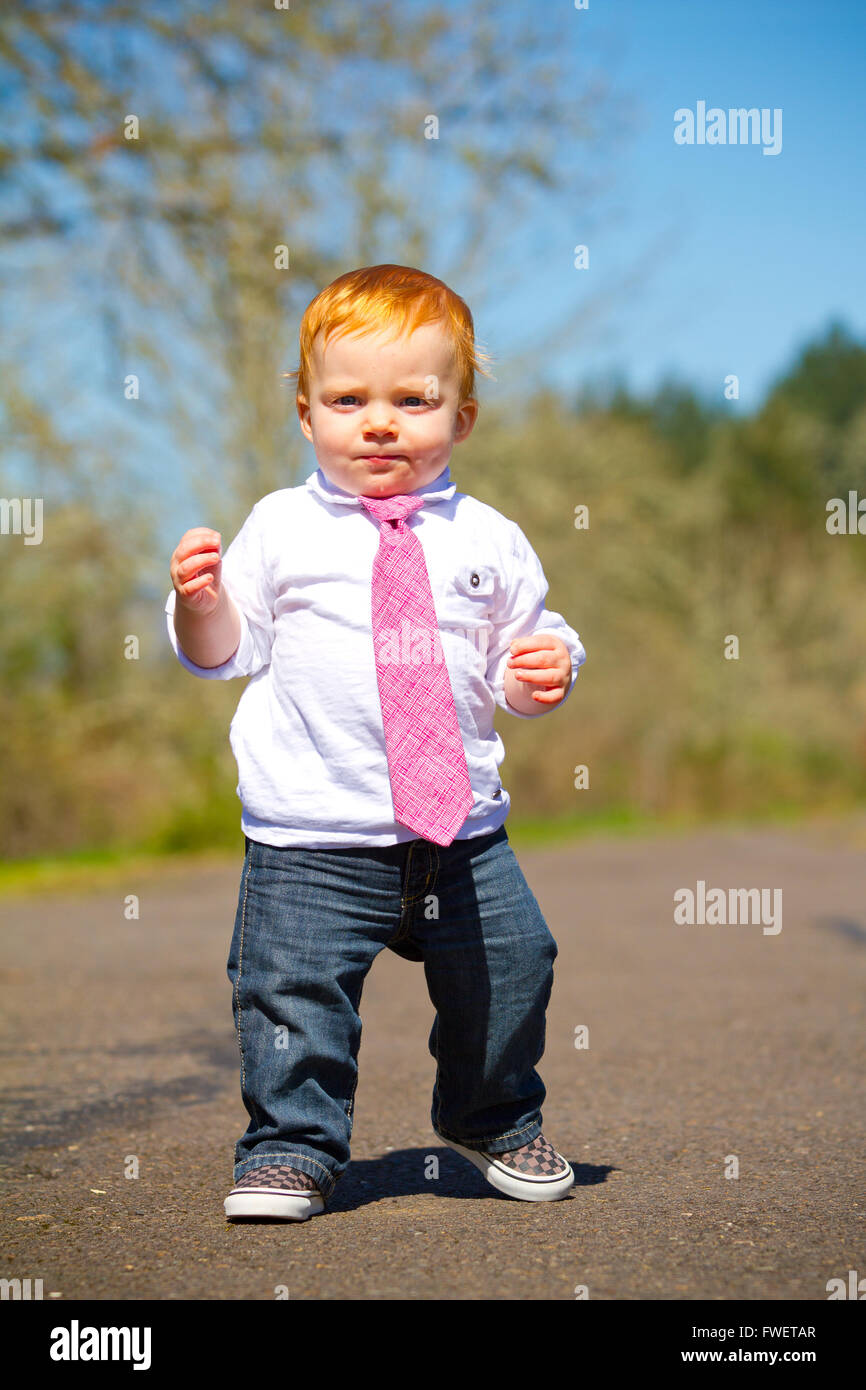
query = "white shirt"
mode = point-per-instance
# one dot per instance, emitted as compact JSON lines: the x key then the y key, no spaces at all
{"x":307,"y":734}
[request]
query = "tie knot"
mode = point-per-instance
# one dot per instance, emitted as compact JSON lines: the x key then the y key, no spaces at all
{"x":392,"y":508}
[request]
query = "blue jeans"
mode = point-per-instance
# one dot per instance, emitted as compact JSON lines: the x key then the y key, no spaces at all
{"x":309,"y":924}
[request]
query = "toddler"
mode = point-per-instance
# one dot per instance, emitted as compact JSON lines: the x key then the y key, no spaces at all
{"x":382,"y":616}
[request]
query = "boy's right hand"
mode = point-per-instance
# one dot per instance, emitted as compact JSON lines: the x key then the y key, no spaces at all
{"x":196,"y":568}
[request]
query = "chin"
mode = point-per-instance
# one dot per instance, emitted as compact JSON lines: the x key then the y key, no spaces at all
{"x":388,"y":477}
{"x":383,"y":489}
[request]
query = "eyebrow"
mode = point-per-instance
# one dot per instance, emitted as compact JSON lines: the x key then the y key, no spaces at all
{"x":345,"y":387}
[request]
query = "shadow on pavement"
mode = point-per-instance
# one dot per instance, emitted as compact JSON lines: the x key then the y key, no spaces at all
{"x":401,"y":1174}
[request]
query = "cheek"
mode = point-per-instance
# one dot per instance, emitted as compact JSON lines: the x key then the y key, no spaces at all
{"x":430,"y":433}
{"x":330,"y":429}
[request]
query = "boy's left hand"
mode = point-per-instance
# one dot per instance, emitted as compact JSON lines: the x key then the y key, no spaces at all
{"x":543,"y":659}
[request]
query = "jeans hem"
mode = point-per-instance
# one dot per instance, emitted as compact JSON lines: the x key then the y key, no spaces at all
{"x":324,"y":1179}
{"x":495,"y":1143}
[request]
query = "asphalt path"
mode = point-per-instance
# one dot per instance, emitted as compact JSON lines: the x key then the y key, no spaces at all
{"x":714,"y":1121}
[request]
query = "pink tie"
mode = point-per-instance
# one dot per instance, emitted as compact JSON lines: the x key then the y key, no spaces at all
{"x":429,"y":777}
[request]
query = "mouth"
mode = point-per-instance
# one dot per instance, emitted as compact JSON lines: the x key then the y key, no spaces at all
{"x":381,"y":458}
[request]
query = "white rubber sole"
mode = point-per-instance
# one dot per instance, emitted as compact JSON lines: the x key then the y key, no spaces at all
{"x":504,"y":1179}
{"x":279,"y":1206}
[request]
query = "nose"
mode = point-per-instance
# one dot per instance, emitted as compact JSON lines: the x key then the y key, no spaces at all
{"x":378,"y":419}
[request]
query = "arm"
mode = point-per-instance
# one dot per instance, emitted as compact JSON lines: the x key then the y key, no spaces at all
{"x":209,"y":639}
{"x":529,"y":638}
{"x":219,"y":613}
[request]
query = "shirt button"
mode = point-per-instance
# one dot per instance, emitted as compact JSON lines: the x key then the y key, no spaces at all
{"x":474,"y":580}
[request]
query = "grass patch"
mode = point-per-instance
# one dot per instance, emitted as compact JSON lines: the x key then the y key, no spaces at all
{"x":88,"y":871}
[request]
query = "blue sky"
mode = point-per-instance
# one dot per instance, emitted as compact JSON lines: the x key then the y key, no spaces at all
{"x":743,"y":255}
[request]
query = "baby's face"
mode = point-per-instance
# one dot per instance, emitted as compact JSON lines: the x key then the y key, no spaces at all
{"x":383,"y":415}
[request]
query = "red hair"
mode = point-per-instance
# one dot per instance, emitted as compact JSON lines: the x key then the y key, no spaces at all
{"x":378,"y":297}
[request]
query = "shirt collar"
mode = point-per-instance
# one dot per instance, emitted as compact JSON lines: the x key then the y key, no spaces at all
{"x":440,"y":490}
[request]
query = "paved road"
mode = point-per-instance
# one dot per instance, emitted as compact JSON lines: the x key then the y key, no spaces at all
{"x":704,"y":1042}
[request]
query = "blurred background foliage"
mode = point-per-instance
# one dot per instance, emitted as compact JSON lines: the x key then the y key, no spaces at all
{"x":699,"y":527}
{"x":157,"y":257}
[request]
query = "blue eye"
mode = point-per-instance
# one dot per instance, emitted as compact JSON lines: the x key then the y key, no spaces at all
{"x":342,"y":400}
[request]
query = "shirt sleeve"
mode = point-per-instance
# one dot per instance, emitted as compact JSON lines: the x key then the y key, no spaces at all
{"x":523,"y":612}
{"x":248,"y":581}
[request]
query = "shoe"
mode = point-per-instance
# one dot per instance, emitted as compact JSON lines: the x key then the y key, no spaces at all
{"x":274,"y":1191}
{"x":534,"y":1173}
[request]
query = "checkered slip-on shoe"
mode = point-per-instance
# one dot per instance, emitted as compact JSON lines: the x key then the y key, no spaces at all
{"x":274,"y":1192}
{"x":534,"y":1173}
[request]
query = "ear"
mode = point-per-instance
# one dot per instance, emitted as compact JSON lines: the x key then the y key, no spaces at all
{"x":303,"y":407}
{"x":464,"y":420}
